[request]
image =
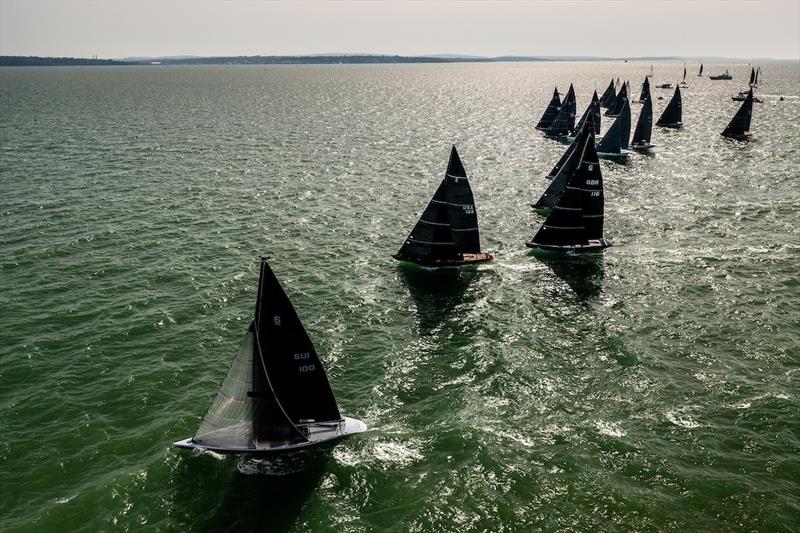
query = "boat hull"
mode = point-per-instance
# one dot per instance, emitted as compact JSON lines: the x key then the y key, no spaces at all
{"x":466,"y":259}
{"x":642,"y":147}
{"x":675,"y":126}
{"x":319,"y":434}
{"x":593,"y":246}
{"x":739,"y":137}
{"x":621,"y":155}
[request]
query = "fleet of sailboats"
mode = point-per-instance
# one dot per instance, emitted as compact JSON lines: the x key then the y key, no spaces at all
{"x":276,"y":397}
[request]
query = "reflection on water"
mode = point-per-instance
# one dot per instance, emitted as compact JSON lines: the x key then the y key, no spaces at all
{"x":583,"y":273}
{"x":261,"y":495}
{"x":436,"y":291}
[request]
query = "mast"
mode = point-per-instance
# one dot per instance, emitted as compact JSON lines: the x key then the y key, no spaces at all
{"x":739,"y":126}
{"x":673,"y":114}
{"x":550,"y":112}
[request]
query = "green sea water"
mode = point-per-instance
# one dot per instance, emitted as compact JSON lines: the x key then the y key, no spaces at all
{"x":653,"y":387}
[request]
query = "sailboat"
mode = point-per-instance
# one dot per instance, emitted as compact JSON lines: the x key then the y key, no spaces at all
{"x":561,"y":172}
{"x":645,"y":90}
{"x":742,"y":96}
{"x":650,"y":75}
{"x":447,"y":232}
{"x":276,"y":396}
{"x":593,"y":111}
{"x":564,"y":122}
{"x":701,"y":70}
{"x":683,"y":82}
{"x":644,"y":126}
{"x":673,"y":114}
{"x":575,"y":223}
{"x":739,"y":127}
{"x":619,"y":102}
{"x":609,"y":95}
{"x":550,"y":113}
{"x":614,"y":144}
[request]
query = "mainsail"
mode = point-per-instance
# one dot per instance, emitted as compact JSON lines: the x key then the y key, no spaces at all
{"x":645,"y":90}
{"x":701,"y":70}
{"x":593,"y":111}
{"x":615,"y":142}
{"x":752,"y":76}
{"x":276,"y":384}
{"x":565,"y":167}
{"x":673,"y":114}
{"x":550,"y":113}
{"x":619,"y":102}
{"x":644,"y":125}
{"x":576,"y":221}
{"x":739,"y":127}
{"x":609,"y":95}
{"x":564,"y":123}
{"x":448,"y":228}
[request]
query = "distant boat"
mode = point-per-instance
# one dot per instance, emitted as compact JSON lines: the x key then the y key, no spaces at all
{"x":276,"y":396}
{"x":650,"y":75}
{"x":550,"y":113}
{"x":664,"y":86}
{"x":561,"y":172}
{"x":701,"y":70}
{"x":644,"y":126}
{"x":739,"y":127}
{"x":619,"y":102}
{"x":564,"y":122}
{"x":614,"y":144}
{"x":724,"y":76}
{"x":752,"y":77}
{"x":609,"y":95}
{"x":683,"y":83}
{"x":645,"y":90}
{"x":672,"y":117}
{"x":447,"y":232}
{"x":575,"y":223}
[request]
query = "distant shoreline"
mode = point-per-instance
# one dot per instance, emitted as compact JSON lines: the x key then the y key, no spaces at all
{"x":355,"y":59}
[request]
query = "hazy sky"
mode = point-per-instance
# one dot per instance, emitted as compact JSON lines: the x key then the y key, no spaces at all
{"x":122,"y":28}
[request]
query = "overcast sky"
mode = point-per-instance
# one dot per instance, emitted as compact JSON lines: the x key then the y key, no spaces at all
{"x":122,"y":28}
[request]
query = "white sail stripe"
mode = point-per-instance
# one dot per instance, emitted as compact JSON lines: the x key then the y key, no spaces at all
{"x":448,"y":203}
{"x":584,"y":190}
{"x":465,"y":229}
{"x":569,"y":208}
{"x":456,"y":177}
{"x":563,"y":227}
{"x":434,"y":223}
{"x":411,"y":240}
{"x":592,"y":216}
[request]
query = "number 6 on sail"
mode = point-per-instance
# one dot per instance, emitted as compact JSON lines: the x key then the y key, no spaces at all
{"x":276,"y":396}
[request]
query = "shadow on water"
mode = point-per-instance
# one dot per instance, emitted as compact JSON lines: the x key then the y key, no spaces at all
{"x":246,"y":494}
{"x":436,"y":292}
{"x":583,"y":273}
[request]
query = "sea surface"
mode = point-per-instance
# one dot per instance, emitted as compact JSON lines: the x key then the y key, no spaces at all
{"x":653,"y":387}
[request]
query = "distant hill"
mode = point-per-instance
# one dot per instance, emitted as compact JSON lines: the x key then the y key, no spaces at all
{"x":33,"y":61}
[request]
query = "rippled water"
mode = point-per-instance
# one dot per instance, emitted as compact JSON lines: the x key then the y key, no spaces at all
{"x":653,"y":387}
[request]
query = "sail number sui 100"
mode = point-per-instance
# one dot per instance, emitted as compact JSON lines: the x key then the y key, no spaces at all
{"x":300,"y":357}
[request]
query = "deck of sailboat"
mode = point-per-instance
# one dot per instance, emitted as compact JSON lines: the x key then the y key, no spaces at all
{"x":318,"y":434}
{"x":466,"y":259}
{"x":593,"y":245}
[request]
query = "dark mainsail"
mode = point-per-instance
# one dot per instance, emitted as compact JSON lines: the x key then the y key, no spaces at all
{"x":565,"y":167}
{"x":564,"y":123}
{"x":752,"y":76}
{"x":550,"y":113}
{"x":673,"y":114}
{"x":592,"y":111}
{"x":276,"y":386}
{"x":619,"y":102}
{"x":625,"y":125}
{"x":645,"y":90}
{"x":609,"y":95}
{"x":644,"y":126}
{"x":615,"y":142}
{"x":576,"y":221}
{"x":701,"y":70}
{"x":739,"y":127}
{"x":448,"y":229}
